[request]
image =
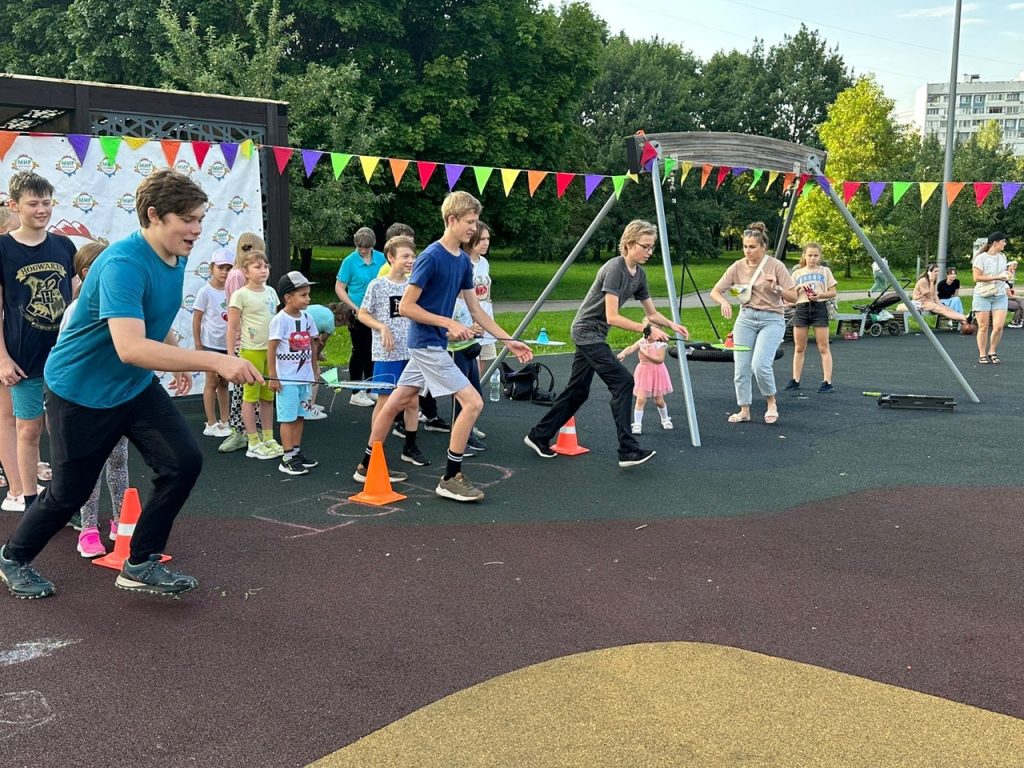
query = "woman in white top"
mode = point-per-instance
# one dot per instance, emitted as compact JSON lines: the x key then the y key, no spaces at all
{"x":991,"y":274}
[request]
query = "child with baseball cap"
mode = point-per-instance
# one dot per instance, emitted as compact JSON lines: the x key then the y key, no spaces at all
{"x":290,"y":362}
{"x":210,"y":331}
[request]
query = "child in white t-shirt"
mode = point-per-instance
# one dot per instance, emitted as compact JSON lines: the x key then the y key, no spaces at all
{"x":210,"y":332}
{"x":290,"y":362}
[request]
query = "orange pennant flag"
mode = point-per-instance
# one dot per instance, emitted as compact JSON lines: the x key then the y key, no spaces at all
{"x":170,"y":148}
{"x":398,"y":169}
{"x":705,"y":174}
{"x":6,"y":140}
{"x":788,"y":180}
{"x":534,"y":178}
{"x":953,"y":189}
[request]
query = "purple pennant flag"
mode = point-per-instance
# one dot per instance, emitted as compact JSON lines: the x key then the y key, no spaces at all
{"x":230,"y":151}
{"x":875,"y":189}
{"x":310,"y":157}
{"x":737,"y":170}
{"x":453,"y":171}
{"x":591,"y":182}
{"x":1010,"y":189}
{"x":80,"y":144}
{"x":823,"y":183}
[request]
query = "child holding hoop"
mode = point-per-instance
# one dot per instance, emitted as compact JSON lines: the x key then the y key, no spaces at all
{"x":814,"y":284}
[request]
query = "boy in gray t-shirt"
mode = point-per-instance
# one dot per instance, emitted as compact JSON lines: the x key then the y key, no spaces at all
{"x":617,"y":281}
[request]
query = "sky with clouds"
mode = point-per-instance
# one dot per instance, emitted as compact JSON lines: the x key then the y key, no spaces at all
{"x":904,"y":43}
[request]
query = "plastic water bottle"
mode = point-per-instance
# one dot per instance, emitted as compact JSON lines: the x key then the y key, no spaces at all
{"x":542,"y":337}
{"x":495,"y":394}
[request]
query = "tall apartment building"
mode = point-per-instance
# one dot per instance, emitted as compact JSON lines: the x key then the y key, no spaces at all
{"x":977,"y":102}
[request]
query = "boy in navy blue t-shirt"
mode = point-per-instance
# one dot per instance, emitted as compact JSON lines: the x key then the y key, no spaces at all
{"x":441,"y":273}
{"x":101,"y":387}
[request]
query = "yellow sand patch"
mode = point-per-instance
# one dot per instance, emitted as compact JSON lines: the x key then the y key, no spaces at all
{"x":687,"y":704}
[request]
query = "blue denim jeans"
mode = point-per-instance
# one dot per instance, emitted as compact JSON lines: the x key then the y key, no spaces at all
{"x":762,"y":332}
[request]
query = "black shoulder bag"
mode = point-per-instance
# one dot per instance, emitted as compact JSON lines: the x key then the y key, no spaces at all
{"x":524,"y":384}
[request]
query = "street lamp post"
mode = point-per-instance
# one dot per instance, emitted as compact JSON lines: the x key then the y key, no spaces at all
{"x":947,"y":171}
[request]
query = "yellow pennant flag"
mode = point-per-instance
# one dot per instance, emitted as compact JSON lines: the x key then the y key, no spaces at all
{"x":246,"y":148}
{"x":772,"y":176}
{"x":634,"y":176}
{"x":508,"y":178}
{"x":369,"y":166}
{"x":134,"y":141}
{"x":927,"y":188}
{"x":685,"y":172}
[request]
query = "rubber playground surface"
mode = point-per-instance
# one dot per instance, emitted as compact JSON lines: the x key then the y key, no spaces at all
{"x":841,"y":588}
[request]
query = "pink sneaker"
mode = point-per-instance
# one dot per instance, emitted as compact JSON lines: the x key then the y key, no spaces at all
{"x":113,"y":530}
{"x":89,"y":543}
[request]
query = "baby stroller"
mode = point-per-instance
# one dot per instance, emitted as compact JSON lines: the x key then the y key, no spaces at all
{"x":876,"y":317}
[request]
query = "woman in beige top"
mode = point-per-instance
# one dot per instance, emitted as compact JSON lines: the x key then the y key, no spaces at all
{"x":761,"y":323}
{"x":926,"y":296}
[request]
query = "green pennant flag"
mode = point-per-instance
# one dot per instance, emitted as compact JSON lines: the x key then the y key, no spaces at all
{"x":670,"y":166}
{"x":110,"y":145}
{"x":618,"y":182}
{"x":338,"y":162}
{"x":482,"y":175}
{"x":899,"y":189}
{"x":758,"y":173}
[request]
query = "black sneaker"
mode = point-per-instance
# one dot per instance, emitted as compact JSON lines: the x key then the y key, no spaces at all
{"x":542,"y":447}
{"x":398,"y":430}
{"x":793,"y":384}
{"x":23,"y":580}
{"x":75,"y":521}
{"x":393,"y":475}
{"x":292,"y":466}
{"x":415,"y":457}
{"x":635,"y":458}
{"x":305,"y":461}
{"x":476,"y":444}
{"x":437,"y":424}
{"x":825,"y":388}
{"x":153,"y":577}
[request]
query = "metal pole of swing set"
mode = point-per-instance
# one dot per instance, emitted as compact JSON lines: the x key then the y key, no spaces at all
{"x":914,"y":311}
{"x":553,"y":283}
{"x":947,"y":169}
{"x":670,"y":284}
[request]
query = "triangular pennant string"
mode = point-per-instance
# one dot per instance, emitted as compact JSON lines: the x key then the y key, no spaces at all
{"x":425,"y":171}
{"x":953,"y":188}
{"x":246,"y":147}
{"x":230,"y":151}
{"x":647,"y":155}
{"x":738,"y":170}
{"x":369,"y":166}
{"x":981,"y":191}
{"x":591,"y":182}
{"x":132,"y":141}
{"x":338,"y":162}
{"x":685,"y":172}
{"x":534,"y":178}
{"x":800,"y":184}
{"x":7,"y":139}
{"x":282,"y":155}
{"x":787,"y":180}
{"x":927,"y":189}
{"x":705,"y":174}
{"x":772,"y":176}
{"x":562,"y":182}
{"x":634,"y":177}
{"x":508,"y":178}
{"x":723,"y":171}
{"x":80,"y":144}
{"x":899,"y":189}
{"x":823,"y":182}
{"x":1010,"y":190}
{"x":110,"y":145}
{"x":170,"y":148}
{"x":670,"y":165}
{"x":310,"y":157}
{"x":875,"y":190}
{"x":617,"y":183}
{"x":483,"y":175}
{"x":758,"y":173}
{"x":398,"y":169}
{"x":453,"y":172}
{"x":200,"y":150}
{"x":849,"y":190}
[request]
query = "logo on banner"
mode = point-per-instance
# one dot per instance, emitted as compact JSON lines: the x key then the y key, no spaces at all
{"x":184,"y":166}
{"x":218,"y":170}
{"x":144,"y":167}
{"x":24,"y":163}
{"x":85,"y":202}
{"x":189,"y":301}
{"x":237,"y":205}
{"x":68,"y":165}
{"x":203,"y":270}
{"x":222,"y":237}
{"x":108,"y":168}
{"x":126,"y":202}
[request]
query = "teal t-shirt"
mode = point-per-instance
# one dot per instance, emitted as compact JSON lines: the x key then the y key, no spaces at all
{"x":128,"y":279}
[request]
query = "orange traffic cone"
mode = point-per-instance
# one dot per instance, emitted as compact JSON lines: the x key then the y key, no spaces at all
{"x":131,"y":509}
{"x":377,"y":488}
{"x":567,"y":445}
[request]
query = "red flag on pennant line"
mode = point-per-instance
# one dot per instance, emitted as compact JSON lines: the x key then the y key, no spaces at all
{"x":425,"y":170}
{"x":981,"y":190}
{"x":200,"y":148}
{"x":723,"y":171}
{"x":282,"y":155}
{"x":562,"y":182}
{"x":849,"y":190}
{"x":170,"y":148}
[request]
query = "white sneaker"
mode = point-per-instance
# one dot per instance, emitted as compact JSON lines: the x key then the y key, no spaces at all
{"x":637,"y":429}
{"x":13,"y":503}
{"x":361,"y":399}
{"x":372,"y":396}
{"x":261,"y":451}
{"x":310,"y":413}
{"x":666,"y":423}
{"x":317,"y":408}
{"x":479,"y":433}
{"x":217,"y":429}
{"x":274,"y":446}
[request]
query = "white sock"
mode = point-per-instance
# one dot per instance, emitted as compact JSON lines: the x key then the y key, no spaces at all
{"x":638,"y":417}
{"x":663,"y":412}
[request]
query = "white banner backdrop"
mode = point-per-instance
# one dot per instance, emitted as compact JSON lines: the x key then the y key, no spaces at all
{"x":96,"y":198}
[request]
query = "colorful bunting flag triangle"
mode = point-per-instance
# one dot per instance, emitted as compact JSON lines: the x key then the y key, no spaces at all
{"x":1010,"y":190}
{"x":398,"y":169}
{"x":452,"y":172}
{"x":953,"y":188}
{"x":7,"y":139}
{"x":927,"y":188}
{"x":483,"y":175}
{"x":875,"y":190}
{"x":617,"y":183}
{"x":369,"y":166}
{"x":425,"y":170}
{"x":899,"y":189}
{"x":591,"y":182}
{"x":200,"y":150}
{"x":110,"y":145}
{"x":508,"y":178}
{"x":338,"y":162}
{"x":281,"y":156}
{"x":80,"y":144}
{"x":705,"y":174}
{"x":310,"y":157}
{"x":132,"y":141}
{"x":533,"y":180}
{"x":246,"y":147}
{"x":229,"y":150}
{"x":758,"y":173}
{"x":170,"y":149}
{"x":981,"y":191}
{"x":562,"y":182}
{"x":849,"y":190}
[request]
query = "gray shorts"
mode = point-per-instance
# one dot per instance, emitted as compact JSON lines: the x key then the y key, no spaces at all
{"x":488,"y":351}
{"x":433,"y":370}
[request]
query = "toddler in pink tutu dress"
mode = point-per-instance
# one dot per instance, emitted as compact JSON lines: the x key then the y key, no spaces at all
{"x":650,"y":379}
